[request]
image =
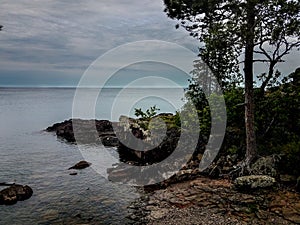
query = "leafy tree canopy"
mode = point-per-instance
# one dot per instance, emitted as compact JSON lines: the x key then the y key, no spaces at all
{"x":222,"y":26}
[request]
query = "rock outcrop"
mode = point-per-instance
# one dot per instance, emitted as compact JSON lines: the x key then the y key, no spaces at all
{"x":155,"y":147}
{"x":87,"y":131}
{"x":14,"y":193}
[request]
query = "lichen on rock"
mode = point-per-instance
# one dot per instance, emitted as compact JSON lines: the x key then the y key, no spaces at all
{"x":254,"y":182}
{"x":266,"y":166}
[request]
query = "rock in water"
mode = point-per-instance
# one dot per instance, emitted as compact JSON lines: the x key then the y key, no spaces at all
{"x":81,"y":165}
{"x":73,"y":174}
{"x":14,"y":193}
{"x":253,"y":182}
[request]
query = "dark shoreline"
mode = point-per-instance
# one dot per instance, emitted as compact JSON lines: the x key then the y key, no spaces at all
{"x":190,"y":191}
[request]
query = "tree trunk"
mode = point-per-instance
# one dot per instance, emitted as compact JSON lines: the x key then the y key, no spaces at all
{"x":248,"y":73}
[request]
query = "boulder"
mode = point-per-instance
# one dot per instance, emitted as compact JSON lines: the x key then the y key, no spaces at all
{"x":267,"y":165}
{"x":14,"y":193}
{"x":254,"y":182}
{"x":81,"y":165}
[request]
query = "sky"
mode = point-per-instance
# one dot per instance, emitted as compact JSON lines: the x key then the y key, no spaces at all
{"x":53,"y":42}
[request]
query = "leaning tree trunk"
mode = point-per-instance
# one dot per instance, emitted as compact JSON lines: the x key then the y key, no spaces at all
{"x":249,"y":98}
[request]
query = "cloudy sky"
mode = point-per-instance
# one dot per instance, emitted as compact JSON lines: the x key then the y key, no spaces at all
{"x":52,"y":42}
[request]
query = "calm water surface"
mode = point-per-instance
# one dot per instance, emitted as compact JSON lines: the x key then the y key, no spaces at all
{"x":28,"y":155}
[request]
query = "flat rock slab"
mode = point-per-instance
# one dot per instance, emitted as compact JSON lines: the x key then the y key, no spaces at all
{"x":15,"y":193}
{"x":209,"y":202}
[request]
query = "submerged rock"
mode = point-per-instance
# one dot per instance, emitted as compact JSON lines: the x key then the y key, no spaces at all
{"x":81,"y":165}
{"x":14,"y":193}
{"x":254,"y":182}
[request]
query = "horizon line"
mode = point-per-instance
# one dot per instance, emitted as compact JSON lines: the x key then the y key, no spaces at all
{"x":87,"y":87}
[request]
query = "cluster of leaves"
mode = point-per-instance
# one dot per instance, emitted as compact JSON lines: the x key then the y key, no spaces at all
{"x":164,"y":119}
{"x":148,"y":114}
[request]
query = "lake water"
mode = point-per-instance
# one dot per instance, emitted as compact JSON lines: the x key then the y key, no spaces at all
{"x":28,"y":155}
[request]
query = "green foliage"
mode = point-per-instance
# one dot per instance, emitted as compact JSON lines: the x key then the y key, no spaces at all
{"x":277,"y":120}
{"x":291,"y":161}
{"x":233,"y":150}
{"x":177,"y":120}
{"x":196,"y":109}
{"x":278,"y":111}
{"x":149,"y":120}
{"x":191,"y":113}
{"x":148,"y":114}
{"x":261,"y":31}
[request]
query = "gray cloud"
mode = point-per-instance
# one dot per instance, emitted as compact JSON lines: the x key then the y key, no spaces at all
{"x":66,"y":36}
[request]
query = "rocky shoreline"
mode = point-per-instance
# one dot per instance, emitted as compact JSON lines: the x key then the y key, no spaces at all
{"x":126,"y":129}
{"x":191,"y":196}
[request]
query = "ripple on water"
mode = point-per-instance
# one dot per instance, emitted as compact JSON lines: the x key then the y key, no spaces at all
{"x":40,"y":160}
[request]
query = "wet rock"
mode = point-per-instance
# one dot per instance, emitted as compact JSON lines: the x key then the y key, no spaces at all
{"x":80,"y":165}
{"x":73,"y":174}
{"x":14,"y":193}
{"x":253,"y":182}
